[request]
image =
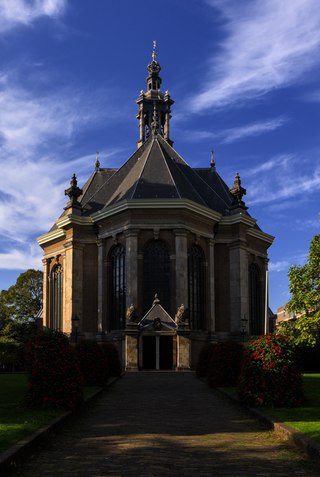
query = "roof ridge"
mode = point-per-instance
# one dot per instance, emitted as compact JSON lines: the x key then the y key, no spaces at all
{"x":96,"y":191}
{"x":142,"y":169}
{"x":208,"y":185}
{"x":168,"y":168}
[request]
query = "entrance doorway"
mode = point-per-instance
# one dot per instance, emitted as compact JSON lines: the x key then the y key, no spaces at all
{"x":157,"y":352}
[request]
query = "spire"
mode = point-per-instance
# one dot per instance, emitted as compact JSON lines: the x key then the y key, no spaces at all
{"x":151,"y":100}
{"x":238,"y":192}
{"x":97,"y":164}
{"x":213,"y":162}
{"x":73,"y":192}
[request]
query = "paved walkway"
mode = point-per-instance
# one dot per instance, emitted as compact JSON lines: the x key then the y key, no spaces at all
{"x":165,"y":424}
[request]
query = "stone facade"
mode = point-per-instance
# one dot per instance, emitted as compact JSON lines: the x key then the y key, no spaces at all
{"x":156,"y":226}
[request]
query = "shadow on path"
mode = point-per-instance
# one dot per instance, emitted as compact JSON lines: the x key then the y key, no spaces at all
{"x":165,"y":424}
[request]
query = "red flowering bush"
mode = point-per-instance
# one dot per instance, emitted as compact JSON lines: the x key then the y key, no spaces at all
{"x":111,"y":354}
{"x":224,"y":365}
{"x":93,"y":363}
{"x":270,"y":374}
{"x":54,"y":378}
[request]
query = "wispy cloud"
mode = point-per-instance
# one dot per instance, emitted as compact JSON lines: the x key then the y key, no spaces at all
{"x":25,"y":12}
{"x":312,"y":96}
{"x":277,"y":179}
{"x":16,"y":259}
{"x":234,"y":134}
{"x":37,"y":132}
{"x":280,"y":266}
{"x":269,"y":45}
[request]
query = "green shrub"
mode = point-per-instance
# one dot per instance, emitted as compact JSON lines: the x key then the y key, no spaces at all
{"x":113,"y":359}
{"x":270,"y":374}
{"x":11,"y":353}
{"x":203,"y":360}
{"x":225,"y":364}
{"x":93,"y":363}
{"x":54,"y":376}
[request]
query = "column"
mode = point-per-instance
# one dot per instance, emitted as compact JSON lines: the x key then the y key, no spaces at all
{"x":239,"y":299}
{"x":101,"y":255}
{"x":212,"y":306}
{"x":73,"y":284}
{"x":46,"y":292}
{"x":132,"y":268}
{"x":181,"y":267}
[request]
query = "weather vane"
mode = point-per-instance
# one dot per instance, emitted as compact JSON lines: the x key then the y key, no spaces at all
{"x":154,"y":53}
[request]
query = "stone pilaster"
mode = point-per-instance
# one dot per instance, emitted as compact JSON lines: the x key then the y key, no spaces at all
{"x":239,"y":299}
{"x":73,"y":284}
{"x":212,"y":305}
{"x":132,"y":268}
{"x":101,"y":288}
{"x":46,"y":291}
{"x":181,"y":267}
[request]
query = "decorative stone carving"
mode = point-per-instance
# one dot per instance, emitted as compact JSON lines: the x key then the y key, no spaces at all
{"x":179,"y":316}
{"x":132,"y":315}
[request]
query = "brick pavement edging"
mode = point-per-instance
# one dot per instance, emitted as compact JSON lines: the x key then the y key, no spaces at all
{"x":12,"y":458}
{"x":292,"y":436}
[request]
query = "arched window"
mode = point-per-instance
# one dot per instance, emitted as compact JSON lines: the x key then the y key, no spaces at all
{"x":56,"y":297}
{"x":256,"y":321}
{"x":196,"y":287}
{"x":156,"y":274}
{"x":117,"y":289}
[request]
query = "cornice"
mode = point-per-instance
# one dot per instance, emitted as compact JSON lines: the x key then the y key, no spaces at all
{"x":155,"y":204}
{"x":61,"y":223}
{"x":49,"y":237}
{"x":261,"y":235}
{"x":238,"y":219}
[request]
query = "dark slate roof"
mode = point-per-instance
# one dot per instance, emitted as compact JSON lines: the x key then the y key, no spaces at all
{"x":155,"y":170}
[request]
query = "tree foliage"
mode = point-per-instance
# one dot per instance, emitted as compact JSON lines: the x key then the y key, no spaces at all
{"x":21,"y":302}
{"x":305,"y":299}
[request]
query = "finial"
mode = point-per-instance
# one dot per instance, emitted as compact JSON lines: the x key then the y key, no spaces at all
{"x":154,"y":52}
{"x":238,"y":192}
{"x":156,"y":300}
{"x":212,"y":162}
{"x":73,"y":193}
{"x":97,"y":165}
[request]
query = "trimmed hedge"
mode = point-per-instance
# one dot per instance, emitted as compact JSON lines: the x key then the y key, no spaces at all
{"x":93,"y":363}
{"x":203,"y":360}
{"x":270,"y":373}
{"x":111,"y":354}
{"x":224,"y":366}
{"x":54,"y":378}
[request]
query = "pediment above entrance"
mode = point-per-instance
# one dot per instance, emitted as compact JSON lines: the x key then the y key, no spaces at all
{"x":157,"y":319}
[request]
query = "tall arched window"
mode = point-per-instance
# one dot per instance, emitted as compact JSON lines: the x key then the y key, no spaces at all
{"x":256,"y":321}
{"x":156,"y":274}
{"x":196,"y":287}
{"x":117,"y":289}
{"x":56,"y":297}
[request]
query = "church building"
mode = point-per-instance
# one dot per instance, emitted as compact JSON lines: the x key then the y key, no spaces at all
{"x":156,"y":256}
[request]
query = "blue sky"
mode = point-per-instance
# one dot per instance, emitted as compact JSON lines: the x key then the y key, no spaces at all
{"x":244,"y":75}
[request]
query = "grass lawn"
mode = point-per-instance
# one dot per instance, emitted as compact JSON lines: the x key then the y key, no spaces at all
{"x":307,"y":417}
{"x":16,"y":420}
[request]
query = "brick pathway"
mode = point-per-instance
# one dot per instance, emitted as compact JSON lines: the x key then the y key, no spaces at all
{"x":165,"y":424}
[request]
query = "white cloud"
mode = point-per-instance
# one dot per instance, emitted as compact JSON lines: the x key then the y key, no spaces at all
{"x":280,"y":266}
{"x":277,"y":180}
{"x":234,"y":134}
{"x":269,"y":45}
{"x":17,"y":259}
{"x":25,"y":12}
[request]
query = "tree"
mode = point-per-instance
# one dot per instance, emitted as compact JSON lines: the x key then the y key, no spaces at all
{"x":20,"y":305}
{"x":305,"y":299}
